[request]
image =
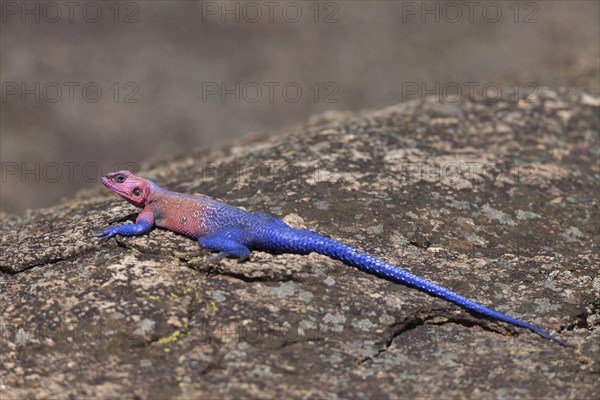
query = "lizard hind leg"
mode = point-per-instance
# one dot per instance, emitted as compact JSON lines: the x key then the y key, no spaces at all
{"x":228,"y":242}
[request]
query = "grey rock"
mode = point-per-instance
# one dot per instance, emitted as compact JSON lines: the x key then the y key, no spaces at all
{"x":141,"y":317}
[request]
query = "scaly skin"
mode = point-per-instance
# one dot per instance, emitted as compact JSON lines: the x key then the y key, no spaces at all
{"x":235,"y":233}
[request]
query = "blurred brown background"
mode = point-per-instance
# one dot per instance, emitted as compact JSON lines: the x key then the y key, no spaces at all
{"x":168,"y":71}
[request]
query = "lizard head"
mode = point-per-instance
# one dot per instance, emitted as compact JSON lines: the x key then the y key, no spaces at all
{"x":132,"y":188}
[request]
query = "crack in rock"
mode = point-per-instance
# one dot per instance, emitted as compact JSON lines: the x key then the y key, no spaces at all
{"x":50,"y":260}
{"x":427,"y":319}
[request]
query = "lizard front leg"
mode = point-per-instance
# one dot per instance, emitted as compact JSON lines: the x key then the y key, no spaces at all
{"x":143,"y":224}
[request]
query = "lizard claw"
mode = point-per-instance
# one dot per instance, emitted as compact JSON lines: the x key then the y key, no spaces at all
{"x":207,"y":263}
{"x":103,"y":235}
{"x":210,"y":261}
{"x":243,"y":259}
{"x":214,"y":259}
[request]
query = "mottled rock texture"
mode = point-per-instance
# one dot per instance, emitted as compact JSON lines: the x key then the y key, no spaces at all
{"x":495,"y":200}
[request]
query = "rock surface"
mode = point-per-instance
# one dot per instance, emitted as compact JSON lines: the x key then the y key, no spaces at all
{"x":495,"y":200}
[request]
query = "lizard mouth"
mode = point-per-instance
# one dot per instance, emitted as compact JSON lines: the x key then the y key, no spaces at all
{"x":106,"y":182}
{"x":111,"y":185}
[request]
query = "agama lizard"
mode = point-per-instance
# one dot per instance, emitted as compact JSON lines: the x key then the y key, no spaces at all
{"x":233,"y":232}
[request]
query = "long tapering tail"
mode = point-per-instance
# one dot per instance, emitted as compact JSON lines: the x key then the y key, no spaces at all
{"x":295,"y":241}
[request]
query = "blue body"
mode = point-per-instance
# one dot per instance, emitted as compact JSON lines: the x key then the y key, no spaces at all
{"x":259,"y":231}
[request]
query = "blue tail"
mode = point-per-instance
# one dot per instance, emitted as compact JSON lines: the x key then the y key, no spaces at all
{"x":304,"y":242}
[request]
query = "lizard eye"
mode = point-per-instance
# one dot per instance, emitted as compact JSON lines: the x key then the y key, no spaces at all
{"x":137,"y":191}
{"x":120,"y":179}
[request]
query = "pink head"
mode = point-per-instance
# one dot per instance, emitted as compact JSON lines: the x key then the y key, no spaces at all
{"x":132,"y":188}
